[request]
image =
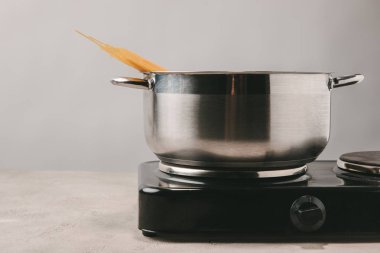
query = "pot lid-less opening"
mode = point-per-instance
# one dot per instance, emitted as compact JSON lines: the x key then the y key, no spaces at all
{"x":367,"y":162}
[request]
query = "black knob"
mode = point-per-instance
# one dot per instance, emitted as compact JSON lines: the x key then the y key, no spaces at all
{"x":307,"y":213}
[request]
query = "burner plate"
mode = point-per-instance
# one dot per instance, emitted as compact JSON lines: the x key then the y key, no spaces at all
{"x":367,"y":162}
{"x":231,"y":173}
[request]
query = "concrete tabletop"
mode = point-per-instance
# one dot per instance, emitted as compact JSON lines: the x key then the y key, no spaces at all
{"x":92,"y":211}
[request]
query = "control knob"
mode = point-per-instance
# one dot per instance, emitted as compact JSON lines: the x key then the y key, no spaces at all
{"x":307,"y":213}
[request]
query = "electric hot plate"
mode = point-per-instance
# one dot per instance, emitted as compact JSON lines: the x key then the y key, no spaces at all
{"x":326,"y":200}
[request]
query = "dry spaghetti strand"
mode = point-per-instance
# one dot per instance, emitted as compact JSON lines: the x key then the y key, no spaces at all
{"x":132,"y":59}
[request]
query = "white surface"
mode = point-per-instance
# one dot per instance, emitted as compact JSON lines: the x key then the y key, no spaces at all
{"x":58,"y":109}
{"x":84,"y":211}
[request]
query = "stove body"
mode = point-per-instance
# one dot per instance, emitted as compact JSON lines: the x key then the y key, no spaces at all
{"x":324,"y":201}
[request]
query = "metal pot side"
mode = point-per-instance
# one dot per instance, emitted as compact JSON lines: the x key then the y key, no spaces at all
{"x":243,"y":120}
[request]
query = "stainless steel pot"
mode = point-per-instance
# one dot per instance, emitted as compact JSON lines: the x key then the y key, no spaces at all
{"x":236,"y":121}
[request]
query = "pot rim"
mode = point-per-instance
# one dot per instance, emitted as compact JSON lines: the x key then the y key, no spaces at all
{"x":234,"y":72}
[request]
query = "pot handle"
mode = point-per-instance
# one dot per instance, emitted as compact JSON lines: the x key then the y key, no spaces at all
{"x":341,"y":81}
{"x":132,"y":82}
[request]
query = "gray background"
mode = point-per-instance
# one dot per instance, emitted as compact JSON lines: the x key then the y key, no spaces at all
{"x":58,"y":110}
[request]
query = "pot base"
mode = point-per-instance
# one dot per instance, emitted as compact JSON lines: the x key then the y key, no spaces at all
{"x":232,"y":173}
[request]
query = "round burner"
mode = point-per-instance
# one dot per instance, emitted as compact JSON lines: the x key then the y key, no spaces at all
{"x":367,"y":162}
{"x":231,"y":173}
{"x":171,"y":180}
